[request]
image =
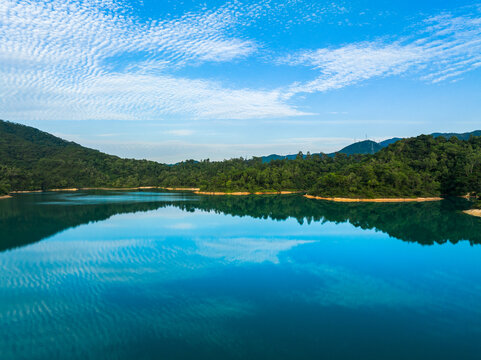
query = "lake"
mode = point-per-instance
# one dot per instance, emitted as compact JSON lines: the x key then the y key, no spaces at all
{"x":166,"y":275}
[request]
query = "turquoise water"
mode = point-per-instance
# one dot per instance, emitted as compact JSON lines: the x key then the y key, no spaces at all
{"x":147,"y":275}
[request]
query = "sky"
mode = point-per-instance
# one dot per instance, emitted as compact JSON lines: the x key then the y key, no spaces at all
{"x":174,"y":80}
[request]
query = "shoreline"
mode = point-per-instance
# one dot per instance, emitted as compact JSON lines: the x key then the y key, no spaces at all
{"x":243,"y":193}
{"x":377,"y":200}
{"x":26,"y":191}
{"x":79,"y":189}
{"x":194,"y":190}
{"x":71,"y":189}
{"x":179,"y":189}
{"x":473,"y":212}
{"x":5,"y":197}
{"x":113,"y":189}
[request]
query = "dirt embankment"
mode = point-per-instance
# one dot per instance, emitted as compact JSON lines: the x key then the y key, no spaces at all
{"x":71,"y":189}
{"x":240,"y":193}
{"x":180,"y":189}
{"x":380,"y":200}
{"x":473,"y":212}
{"x":107,"y":188}
{"x":89,"y":188}
{"x":26,"y":191}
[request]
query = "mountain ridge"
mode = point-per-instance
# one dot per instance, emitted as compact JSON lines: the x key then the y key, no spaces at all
{"x":370,"y":146}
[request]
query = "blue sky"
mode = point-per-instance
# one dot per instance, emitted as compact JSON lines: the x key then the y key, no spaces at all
{"x":171,"y":80}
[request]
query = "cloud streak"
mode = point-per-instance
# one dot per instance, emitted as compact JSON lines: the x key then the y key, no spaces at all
{"x":67,"y":60}
{"x":444,"y":47}
{"x":97,"y":60}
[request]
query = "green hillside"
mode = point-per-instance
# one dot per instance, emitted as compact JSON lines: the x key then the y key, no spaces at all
{"x":415,"y":167}
{"x":31,"y":159}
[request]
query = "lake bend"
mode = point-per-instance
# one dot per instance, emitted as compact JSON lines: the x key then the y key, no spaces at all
{"x":175,"y":275}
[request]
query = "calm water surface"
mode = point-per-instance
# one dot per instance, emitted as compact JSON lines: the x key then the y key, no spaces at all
{"x":147,"y":275}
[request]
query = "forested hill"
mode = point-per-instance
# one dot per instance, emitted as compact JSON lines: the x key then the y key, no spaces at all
{"x":414,"y":167}
{"x":31,"y":159}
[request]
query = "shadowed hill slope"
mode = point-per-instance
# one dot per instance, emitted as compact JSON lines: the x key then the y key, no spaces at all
{"x":31,"y":159}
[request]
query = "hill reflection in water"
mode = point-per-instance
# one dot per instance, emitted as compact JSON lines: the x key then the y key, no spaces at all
{"x":29,"y":218}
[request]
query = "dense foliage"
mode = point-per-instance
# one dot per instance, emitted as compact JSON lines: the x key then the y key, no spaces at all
{"x":422,"y":166}
{"x":34,"y":160}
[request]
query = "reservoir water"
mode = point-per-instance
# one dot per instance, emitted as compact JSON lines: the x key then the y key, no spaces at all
{"x":166,"y":275}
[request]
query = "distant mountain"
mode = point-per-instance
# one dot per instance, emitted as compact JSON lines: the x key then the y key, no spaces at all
{"x":371,"y":147}
{"x":269,"y":158}
{"x":361,"y":147}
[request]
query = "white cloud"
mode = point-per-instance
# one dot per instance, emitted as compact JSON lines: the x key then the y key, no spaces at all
{"x":68,"y":60}
{"x":182,"y":226}
{"x":95,"y":60}
{"x":134,"y":96}
{"x":241,"y":250}
{"x":444,"y":47}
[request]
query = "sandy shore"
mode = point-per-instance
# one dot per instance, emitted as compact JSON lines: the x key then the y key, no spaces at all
{"x":115,"y":189}
{"x":380,"y":200}
{"x":240,"y":193}
{"x":180,"y":189}
{"x":5,"y":197}
{"x":195,"y":190}
{"x":25,"y":191}
{"x":473,"y":212}
{"x":222,"y":193}
{"x":71,"y":189}
{"x":90,"y":188}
